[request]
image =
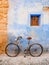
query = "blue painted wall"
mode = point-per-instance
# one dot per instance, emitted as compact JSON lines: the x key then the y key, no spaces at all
{"x":19,"y":20}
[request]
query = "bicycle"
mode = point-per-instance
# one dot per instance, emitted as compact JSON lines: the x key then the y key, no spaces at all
{"x":13,"y":49}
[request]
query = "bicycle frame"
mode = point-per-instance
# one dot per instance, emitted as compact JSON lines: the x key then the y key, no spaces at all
{"x":20,"y":45}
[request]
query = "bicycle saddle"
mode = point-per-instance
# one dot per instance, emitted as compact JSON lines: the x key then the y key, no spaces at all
{"x":29,"y":38}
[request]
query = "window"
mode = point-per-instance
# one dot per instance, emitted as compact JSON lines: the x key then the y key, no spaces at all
{"x":35,"y":20}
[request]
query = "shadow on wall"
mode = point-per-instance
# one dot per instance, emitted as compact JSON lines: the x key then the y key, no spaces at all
{"x":11,"y":38}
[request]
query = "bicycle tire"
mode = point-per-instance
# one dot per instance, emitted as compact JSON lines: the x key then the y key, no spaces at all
{"x":37,"y":45}
{"x":6,"y":51}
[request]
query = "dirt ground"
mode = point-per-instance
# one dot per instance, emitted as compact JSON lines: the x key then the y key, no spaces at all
{"x":28,"y":60}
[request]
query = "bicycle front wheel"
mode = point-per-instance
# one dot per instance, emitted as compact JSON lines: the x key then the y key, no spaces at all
{"x":35,"y":50}
{"x":12,"y":50}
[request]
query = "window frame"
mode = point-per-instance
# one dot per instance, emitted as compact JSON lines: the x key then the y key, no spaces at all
{"x":38,"y":15}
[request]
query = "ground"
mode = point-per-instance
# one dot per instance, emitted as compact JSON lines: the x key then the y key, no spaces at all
{"x":20,"y":60}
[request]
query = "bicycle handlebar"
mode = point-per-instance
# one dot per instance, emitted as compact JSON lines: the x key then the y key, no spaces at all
{"x":20,"y":37}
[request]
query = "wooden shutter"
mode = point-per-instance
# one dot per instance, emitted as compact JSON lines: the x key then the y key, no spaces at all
{"x":34,"y":20}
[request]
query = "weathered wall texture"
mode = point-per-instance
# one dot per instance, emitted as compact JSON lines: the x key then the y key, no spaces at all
{"x":19,"y":20}
{"x":3,"y":24}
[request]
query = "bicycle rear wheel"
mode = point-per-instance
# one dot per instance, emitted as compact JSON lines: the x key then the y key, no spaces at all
{"x":35,"y":50}
{"x":12,"y":50}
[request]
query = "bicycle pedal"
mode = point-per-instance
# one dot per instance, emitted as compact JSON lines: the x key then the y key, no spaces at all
{"x":24,"y":56}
